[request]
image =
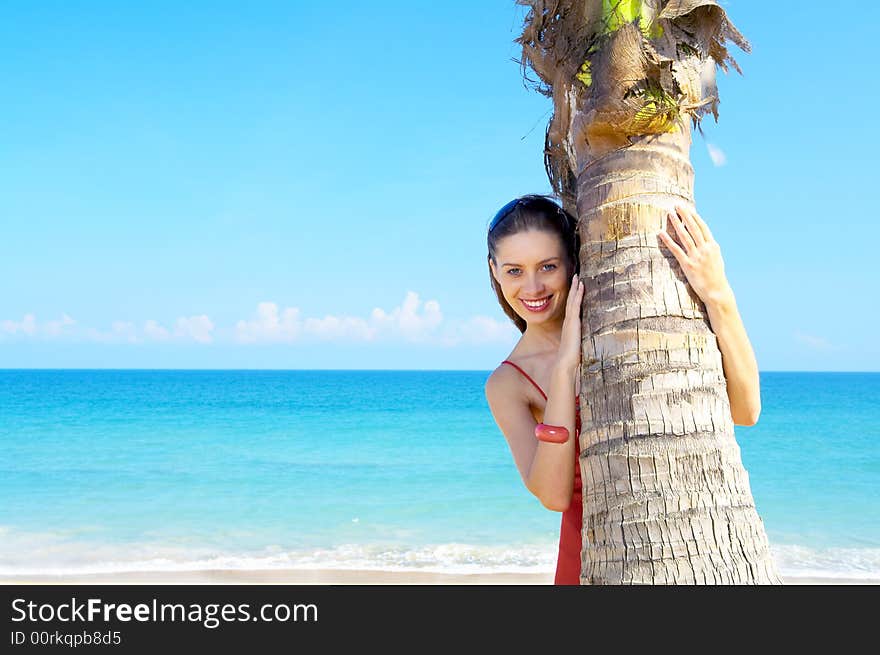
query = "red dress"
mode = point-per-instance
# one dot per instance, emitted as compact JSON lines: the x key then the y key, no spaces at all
{"x":568,"y":561}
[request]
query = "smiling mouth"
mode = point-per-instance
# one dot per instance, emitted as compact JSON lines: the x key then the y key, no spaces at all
{"x":538,"y":305}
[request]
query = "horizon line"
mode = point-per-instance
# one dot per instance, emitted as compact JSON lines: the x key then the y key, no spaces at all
{"x":345,"y":370}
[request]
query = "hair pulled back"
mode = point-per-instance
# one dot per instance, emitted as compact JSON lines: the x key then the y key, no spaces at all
{"x":533,"y":212}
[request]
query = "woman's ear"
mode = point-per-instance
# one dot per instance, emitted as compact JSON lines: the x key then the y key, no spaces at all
{"x":492,"y":269}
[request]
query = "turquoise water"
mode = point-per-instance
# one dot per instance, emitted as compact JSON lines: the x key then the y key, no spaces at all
{"x":104,"y":470}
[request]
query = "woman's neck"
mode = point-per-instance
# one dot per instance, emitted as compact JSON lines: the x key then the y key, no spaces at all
{"x":544,"y":337}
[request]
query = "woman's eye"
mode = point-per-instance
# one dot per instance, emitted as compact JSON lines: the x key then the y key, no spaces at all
{"x":516,"y":271}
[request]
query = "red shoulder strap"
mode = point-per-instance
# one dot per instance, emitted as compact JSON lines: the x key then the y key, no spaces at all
{"x":528,"y":377}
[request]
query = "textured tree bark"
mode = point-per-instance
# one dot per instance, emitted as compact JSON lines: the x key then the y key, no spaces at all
{"x":666,"y":497}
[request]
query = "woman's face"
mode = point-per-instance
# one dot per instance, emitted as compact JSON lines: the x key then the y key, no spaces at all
{"x":532,"y":270}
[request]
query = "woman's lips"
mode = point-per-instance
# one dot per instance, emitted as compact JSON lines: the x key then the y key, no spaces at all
{"x":532,"y":307}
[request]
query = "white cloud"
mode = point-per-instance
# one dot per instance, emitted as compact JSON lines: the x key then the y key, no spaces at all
{"x":269,"y":326}
{"x":27,"y":326}
{"x":30,"y":327}
{"x":153,"y":331}
{"x":339,"y":328}
{"x":125,"y":330}
{"x":198,"y":328}
{"x":120,"y":332}
{"x":195,"y":328}
{"x":407,"y":320}
{"x":716,"y":154}
{"x":57,"y":328}
{"x":816,"y":343}
{"x":413,"y":321}
{"x":481,"y":330}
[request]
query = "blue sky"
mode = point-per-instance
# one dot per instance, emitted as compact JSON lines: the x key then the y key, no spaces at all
{"x":266,"y":185}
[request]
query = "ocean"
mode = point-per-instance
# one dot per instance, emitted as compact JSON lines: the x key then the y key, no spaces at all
{"x":146,"y":470}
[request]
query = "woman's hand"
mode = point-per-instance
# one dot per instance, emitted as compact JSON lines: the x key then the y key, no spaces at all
{"x":570,"y":343}
{"x":699,"y":254}
{"x":700,"y":259}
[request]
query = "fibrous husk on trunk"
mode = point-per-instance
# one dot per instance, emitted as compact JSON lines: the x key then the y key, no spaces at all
{"x":612,"y":80}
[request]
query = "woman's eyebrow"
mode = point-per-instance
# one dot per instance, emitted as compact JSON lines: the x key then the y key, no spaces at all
{"x":544,"y":261}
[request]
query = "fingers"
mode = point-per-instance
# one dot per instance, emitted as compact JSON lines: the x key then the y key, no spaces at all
{"x":706,"y":232}
{"x":684,"y":237}
{"x":575,"y":295}
{"x":696,"y":225}
{"x":670,"y":243}
{"x":571,"y":292}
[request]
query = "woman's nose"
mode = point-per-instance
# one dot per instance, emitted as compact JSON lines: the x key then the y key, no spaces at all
{"x":533,"y":286}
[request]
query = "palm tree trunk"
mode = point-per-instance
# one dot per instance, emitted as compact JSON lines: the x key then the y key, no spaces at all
{"x":666,"y":498}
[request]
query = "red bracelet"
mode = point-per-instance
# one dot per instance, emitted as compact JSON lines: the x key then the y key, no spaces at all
{"x":551,"y":433}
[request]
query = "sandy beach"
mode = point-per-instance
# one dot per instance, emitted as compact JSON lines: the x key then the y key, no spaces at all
{"x":332,"y":577}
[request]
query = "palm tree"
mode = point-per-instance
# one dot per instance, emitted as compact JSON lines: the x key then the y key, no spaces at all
{"x":666,"y":497}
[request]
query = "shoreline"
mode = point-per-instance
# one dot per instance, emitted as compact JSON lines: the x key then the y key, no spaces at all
{"x":331,"y":577}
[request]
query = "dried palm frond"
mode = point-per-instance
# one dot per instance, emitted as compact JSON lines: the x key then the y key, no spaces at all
{"x":616,"y":69}
{"x":704,"y":25}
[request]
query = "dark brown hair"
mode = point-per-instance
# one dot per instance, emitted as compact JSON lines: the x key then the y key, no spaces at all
{"x":533,"y":212}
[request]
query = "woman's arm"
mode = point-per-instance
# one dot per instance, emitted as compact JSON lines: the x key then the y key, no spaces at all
{"x":700,"y":258}
{"x":737,"y":358}
{"x":551,"y":474}
{"x":547,"y":469}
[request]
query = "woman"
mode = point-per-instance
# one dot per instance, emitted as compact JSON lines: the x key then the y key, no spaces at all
{"x":533,"y":264}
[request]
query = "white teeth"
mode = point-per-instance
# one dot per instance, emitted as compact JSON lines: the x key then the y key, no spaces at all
{"x":536,"y":303}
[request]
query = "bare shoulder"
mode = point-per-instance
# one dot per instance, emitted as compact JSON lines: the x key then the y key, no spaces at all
{"x":503,"y":383}
{"x":509,"y":400}
{"x":510,"y":405}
